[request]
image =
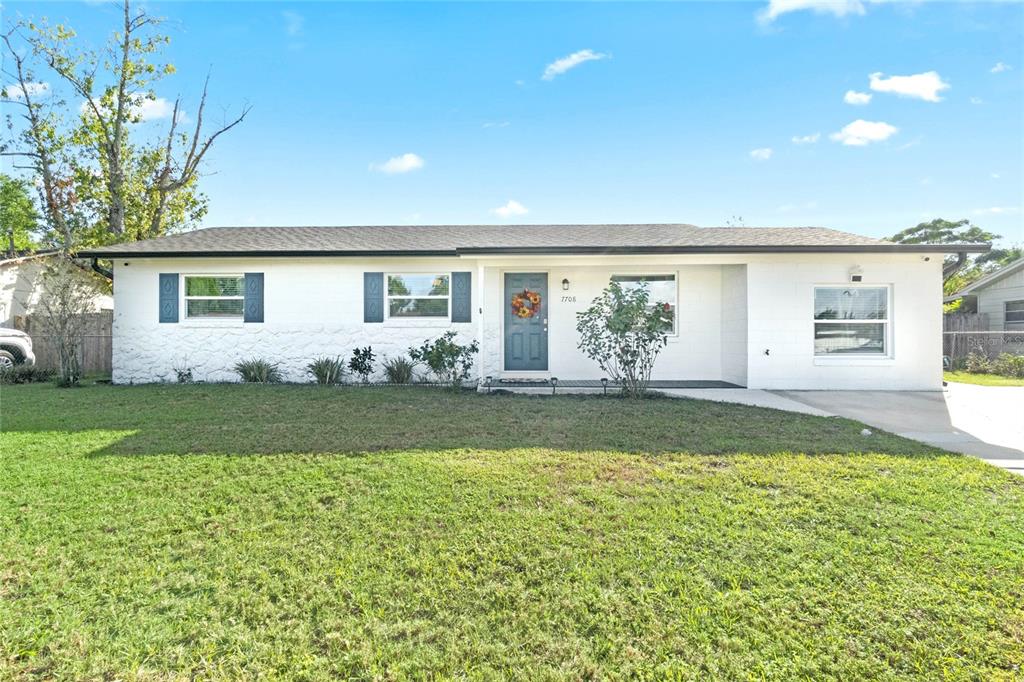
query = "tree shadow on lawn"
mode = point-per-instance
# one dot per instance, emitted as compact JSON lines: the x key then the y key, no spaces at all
{"x":255,"y":420}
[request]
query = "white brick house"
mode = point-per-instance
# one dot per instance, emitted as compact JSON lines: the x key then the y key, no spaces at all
{"x":778,"y":308}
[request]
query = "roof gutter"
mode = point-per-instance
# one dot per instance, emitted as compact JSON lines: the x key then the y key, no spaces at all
{"x":548,"y":250}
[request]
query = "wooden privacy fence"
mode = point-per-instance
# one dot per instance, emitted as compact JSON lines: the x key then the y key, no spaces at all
{"x":95,"y":349}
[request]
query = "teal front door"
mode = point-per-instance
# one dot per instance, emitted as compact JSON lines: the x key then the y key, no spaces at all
{"x":526,"y":333}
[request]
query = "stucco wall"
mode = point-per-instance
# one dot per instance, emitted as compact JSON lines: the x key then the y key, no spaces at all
{"x":21,"y":288}
{"x":731,"y":309}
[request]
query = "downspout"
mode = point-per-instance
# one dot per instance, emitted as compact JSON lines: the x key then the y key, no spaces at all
{"x":109,"y":274}
{"x":951,"y":269}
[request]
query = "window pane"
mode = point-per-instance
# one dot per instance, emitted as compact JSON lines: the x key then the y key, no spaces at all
{"x":849,"y":338}
{"x":418,"y":307}
{"x":1014,"y":311}
{"x":206,"y":307}
{"x":661,"y":288}
{"x":214,"y":286}
{"x":855,"y":303}
{"x":417,"y":285}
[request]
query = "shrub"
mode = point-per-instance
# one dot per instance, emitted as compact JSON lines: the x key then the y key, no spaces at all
{"x":449,"y":360}
{"x":326,"y":371}
{"x":977,"y":363}
{"x":399,"y":370}
{"x":183,"y":373}
{"x":624,"y":333}
{"x":25,"y":374}
{"x":257,"y":371}
{"x":362,"y":363}
{"x":1009,"y":365}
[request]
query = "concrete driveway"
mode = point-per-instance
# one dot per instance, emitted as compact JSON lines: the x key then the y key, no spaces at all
{"x":985,"y":421}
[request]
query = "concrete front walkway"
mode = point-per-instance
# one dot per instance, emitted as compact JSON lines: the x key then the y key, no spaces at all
{"x":984,"y":421}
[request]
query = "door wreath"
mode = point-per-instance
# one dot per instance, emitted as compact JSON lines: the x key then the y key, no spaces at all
{"x":526,"y":304}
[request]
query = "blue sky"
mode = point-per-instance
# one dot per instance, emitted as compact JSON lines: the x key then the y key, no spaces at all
{"x":659,"y":112}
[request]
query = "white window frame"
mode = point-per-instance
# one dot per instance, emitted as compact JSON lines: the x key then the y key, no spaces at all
{"x":1017,"y":325}
{"x":660,"y":273}
{"x":388,"y":296}
{"x":887,"y":354}
{"x":185,"y":298}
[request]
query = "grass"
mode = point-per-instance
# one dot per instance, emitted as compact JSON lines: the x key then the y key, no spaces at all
{"x":982,"y":379}
{"x":224,"y":532}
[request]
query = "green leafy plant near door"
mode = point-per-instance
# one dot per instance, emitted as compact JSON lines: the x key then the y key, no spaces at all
{"x":623,"y":332}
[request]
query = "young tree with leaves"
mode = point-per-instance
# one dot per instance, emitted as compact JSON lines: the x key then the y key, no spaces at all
{"x":103,"y":179}
{"x":18,"y":218}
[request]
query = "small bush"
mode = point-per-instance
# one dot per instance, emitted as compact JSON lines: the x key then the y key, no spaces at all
{"x":399,"y":370}
{"x":25,"y":374}
{"x":257,"y":371}
{"x":362,"y":363}
{"x":1009,"y":365}
{"x":977,"y":363}
{"x":446,"y":358}
{"x":183,"y":373}
{"x":326,"y":371}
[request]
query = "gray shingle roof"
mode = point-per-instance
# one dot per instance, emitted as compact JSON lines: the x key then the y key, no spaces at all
{"x":391,"y":240}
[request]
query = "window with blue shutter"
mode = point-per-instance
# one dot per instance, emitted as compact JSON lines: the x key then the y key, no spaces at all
{"x":253,"y":297}
{"x":462,"y":297}
{"x":168,"y":297}
{"x":373,"y":297}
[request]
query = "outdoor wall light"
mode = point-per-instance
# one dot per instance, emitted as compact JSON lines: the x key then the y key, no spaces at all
{"x":565,"y":285}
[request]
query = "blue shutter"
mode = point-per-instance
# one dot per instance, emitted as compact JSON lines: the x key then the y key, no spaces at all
{"x":253,"y":307}
{"x":373,"y":297}
{"x":462,"y":297}
{"x":168,"y":297}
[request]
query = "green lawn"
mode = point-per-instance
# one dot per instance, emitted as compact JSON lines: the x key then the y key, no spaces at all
{"x":178,"y":532}
{"x":982,"y":379}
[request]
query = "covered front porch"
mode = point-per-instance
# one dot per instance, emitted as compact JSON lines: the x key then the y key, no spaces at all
{"x":537,"y":350}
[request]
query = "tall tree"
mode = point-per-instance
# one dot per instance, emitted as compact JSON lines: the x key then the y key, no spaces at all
{"x":122,"y":185}
{"x":941,"y":231}
{"x":18,"y":218}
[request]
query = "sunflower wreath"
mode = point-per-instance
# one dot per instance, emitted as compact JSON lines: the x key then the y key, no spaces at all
{"x":526,"y":304}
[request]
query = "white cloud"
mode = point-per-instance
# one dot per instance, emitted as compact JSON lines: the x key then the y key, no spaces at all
{"x":977,"y":100}
{"x":997,"y":210}
{"x":293,"y":23}
{"x":839,"y":8}
{"x":512,"y":208}
{"x":762,"y":154}
{"x":33,"y":89}
{"x":806,"y":139}
{"x":857,"y":98}
{"x":399,"y":164}
{"x":861,"y":132}
{"x":146,"y":109}
{"x":560,"y":66}
{"x":1000,"y":67}
{"x":994,"y":176}
{"x":926,"y":86}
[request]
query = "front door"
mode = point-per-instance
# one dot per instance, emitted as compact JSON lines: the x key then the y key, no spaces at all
{"x":526,"y":321}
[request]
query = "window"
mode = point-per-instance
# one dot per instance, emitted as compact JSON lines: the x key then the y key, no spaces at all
{"x":214,"y":296}
{"x":1014,"y":315}
{"x":418,"y":295}
{"x":851,"y":321}
{"x":661,"y":289}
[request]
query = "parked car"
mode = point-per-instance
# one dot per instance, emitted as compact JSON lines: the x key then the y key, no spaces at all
{"x":15,"y":348}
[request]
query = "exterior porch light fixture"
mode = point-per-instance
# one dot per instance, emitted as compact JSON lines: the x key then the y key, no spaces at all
{"x":554,"y":384}
{"x":604,"y":384}
{"x":565,"y":284}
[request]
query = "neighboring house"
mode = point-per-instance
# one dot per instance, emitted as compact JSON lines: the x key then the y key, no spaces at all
{"x":779,"y":308}
{"x":999,"y":296}
{"x":21,"y":286}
